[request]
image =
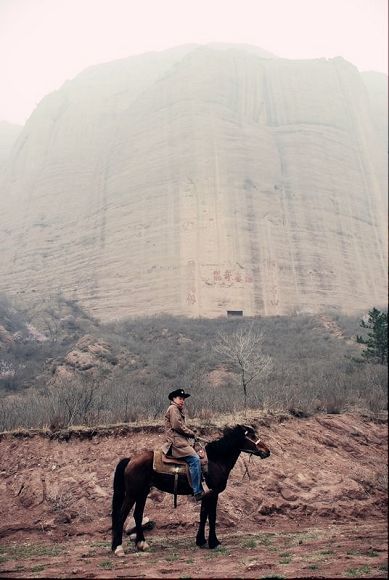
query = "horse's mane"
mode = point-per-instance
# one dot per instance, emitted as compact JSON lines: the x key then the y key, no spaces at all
{"x":222,"y":447}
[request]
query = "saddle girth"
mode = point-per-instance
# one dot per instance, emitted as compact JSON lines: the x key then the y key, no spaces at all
{"x":170,"y":465}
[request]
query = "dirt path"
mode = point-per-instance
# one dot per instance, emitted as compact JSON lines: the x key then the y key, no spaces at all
{"x":334,"y":329}
{"x":330,"y":551}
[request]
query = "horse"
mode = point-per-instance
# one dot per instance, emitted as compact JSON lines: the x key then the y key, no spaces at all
{"x":133,"y":479}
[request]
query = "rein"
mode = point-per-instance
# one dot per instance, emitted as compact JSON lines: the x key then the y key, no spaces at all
{"x":248,"y":451}
{"x":197,"y":438}
{"x":202,"y":440}
{"x":246,"y":468}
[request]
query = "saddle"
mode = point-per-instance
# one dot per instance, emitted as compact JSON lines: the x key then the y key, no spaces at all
{"x":172,"y":465}
{"x":164,"y":464}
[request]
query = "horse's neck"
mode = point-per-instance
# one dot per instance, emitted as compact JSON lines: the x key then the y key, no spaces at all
{"x":228,"y":459}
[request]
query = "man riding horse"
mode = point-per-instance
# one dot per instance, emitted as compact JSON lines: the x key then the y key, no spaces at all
{"x":178,"y":437}
{"x":135,"y":476}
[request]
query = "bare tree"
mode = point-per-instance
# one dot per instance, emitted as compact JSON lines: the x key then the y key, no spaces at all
{"x":73,"y":400}
{"x":243,"y":350}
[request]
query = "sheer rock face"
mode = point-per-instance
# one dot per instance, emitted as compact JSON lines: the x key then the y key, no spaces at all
{"x":198,"y":180}
{"x":9,"y":132}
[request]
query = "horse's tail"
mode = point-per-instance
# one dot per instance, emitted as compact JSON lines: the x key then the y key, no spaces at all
{"x":119,"y":490}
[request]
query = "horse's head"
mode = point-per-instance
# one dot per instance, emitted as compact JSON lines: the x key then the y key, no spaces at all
{"x":251,"y":443}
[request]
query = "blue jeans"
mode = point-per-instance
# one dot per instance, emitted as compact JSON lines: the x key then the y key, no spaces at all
{"x":194,"y":464}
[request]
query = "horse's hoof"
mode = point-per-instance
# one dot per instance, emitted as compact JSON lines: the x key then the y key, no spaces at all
{"x":142,"y":546}
{"x":119,"y":552}
{"x":202,"y":546}
{"x":217,"y":547}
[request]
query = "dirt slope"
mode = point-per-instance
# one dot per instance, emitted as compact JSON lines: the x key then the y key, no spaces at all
{"x":315,"y":508}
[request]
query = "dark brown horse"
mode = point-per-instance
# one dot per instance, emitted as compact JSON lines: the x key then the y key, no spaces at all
{"x":134,"y":478}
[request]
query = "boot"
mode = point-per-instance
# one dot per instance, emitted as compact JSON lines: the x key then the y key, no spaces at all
{"x":202,"y":494}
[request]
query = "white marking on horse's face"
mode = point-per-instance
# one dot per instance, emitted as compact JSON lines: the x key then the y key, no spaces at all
{"x":258,"y":440}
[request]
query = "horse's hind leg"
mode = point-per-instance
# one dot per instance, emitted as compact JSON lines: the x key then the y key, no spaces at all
{"x":117,"y":529}
{"x":200,"y":538}
{"x":140,"y":542}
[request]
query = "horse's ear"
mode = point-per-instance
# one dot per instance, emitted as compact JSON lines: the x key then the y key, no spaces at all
{"x":242,"y":428}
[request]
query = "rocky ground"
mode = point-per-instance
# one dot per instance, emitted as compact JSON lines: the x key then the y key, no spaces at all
{"x":316,"y":508}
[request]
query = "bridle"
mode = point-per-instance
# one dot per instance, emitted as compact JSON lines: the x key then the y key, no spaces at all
{"x":250,"y":451}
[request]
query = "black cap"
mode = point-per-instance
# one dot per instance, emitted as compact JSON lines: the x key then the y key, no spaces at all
{"x":178,"y":393}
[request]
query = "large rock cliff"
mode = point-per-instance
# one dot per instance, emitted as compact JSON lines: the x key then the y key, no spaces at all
{"x":200,"y":180}
{"x":9,"y":132}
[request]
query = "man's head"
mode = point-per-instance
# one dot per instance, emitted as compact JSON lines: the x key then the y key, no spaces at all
{"x":178,"y":397}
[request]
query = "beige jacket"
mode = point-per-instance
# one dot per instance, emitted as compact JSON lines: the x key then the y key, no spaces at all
{"x":177,"y":433}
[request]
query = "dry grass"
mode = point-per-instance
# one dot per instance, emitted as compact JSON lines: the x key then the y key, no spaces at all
{"x":312,"y":371}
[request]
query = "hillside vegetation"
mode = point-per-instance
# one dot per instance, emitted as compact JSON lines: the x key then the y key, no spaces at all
{"x":60,"y":367}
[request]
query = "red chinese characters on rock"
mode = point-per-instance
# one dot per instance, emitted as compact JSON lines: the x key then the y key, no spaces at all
{"x":229,"y":277}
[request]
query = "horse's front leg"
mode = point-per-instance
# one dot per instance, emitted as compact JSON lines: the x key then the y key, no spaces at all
{"x":200,"y":538}
{"x":213,"y":542}
{"x":140,"y":542}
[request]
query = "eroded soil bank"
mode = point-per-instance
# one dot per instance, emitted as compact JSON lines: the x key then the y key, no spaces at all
{"x":315,"y":508}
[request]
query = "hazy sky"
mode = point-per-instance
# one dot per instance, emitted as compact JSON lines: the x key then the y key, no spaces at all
{"x":45,"y":42}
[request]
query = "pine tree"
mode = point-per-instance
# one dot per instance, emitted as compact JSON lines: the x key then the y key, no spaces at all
{"x":376,"y":340}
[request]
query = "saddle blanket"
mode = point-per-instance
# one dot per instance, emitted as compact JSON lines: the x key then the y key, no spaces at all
{"x":163,"y":464}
